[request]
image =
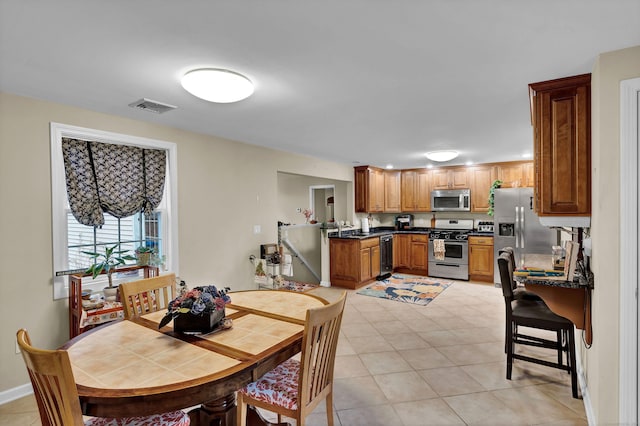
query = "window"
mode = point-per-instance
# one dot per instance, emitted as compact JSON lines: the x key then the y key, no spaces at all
{"x":70,"y":238}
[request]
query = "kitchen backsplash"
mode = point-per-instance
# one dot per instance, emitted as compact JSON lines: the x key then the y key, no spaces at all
{"x":420,"y":220}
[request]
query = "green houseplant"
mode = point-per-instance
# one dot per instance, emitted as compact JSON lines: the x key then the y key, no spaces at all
{"x":144,"y":255}
{"x":107,"y":262}
{"x":496,"y":184}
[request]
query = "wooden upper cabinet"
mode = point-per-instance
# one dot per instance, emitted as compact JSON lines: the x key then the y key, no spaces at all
{"x":415,"y":191}
{"x":450,"y":178}
{"x":527,"y":171}
{"x":392,"y":191}
{"x":482,"y":178}
{"x":516,"y":174}
{"x":369,"y":189}
{"x":561,"y":118}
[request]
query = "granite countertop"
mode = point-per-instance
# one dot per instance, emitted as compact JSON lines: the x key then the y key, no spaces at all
{"x":385,"y":230}
{"x":376,"y":232}
{"x":578,"y":281}
{"x":544,"y":262}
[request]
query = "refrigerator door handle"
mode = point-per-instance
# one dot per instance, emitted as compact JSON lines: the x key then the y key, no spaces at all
{"x":522,"y":226}
{"x":517,"y":228}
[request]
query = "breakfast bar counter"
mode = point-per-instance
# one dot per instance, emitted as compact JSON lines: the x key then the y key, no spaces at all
{"x":570,"y":299}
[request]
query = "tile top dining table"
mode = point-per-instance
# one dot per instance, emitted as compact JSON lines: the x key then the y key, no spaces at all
{"x":132,"y":368}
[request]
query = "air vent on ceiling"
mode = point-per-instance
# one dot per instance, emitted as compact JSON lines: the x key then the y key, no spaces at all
{"x":152,"y":106}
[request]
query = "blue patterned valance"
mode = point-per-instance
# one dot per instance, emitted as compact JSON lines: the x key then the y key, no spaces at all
{"x":117,"y":179}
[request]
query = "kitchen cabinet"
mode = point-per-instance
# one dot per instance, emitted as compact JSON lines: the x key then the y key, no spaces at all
{"x":511,"y":175}
{"x":527,"y":171}
{"x":481,"y":178}
{"x":369,"y":189}
{"x":354,"y":262}
{"x":369,"y":259}
{"x":411,"y":253}
{"x":401,"y":251}
{"x":561,"y":119}
{"x":392,"y":191}
{"x":450,"y":178}
{"x":481,"y":258}
{"x":416,"y":191}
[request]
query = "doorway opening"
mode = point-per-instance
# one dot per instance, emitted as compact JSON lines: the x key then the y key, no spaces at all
{"x":321,"y":200}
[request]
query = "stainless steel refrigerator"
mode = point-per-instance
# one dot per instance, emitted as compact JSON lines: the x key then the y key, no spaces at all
{"x":515,"y":224}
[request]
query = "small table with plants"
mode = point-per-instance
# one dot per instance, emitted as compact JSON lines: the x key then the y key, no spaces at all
{"x":102,"y":314}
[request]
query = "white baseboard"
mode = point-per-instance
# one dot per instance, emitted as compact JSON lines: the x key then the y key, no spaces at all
{"x":15,"y":393}
{"x":325,"y":283}
{"x":584,"y":390}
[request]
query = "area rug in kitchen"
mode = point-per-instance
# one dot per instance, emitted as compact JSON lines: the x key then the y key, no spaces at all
{"x":407,"y":288}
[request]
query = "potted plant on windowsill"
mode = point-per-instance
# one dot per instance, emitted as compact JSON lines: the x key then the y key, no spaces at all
{"x":107,"y":262}
{"x":143,"y":255}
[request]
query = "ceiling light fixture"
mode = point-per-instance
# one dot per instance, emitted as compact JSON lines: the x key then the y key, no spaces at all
{"x":441,"y":155}
{"x":217,"y":85}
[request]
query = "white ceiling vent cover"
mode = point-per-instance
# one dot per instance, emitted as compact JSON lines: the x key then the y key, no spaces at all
{"x":152,"y":106}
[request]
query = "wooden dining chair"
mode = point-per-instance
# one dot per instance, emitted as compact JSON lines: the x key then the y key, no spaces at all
{"x":294,"y":388}
{"x":147,"y":295}
{"x":537,"y":315}
{"x":57,"y":396}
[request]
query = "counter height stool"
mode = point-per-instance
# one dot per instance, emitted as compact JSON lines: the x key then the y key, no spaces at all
{"x":57,"y":397}
{"x":535,"y":314}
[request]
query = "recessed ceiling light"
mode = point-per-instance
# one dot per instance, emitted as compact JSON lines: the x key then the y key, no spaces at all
{"x":468,"y":163}
{"x":526,"y":155}
{"x":389,"y":166}
{"x":441,"y":155}
{"x":217,"y":85}
{"x":429,"y":166}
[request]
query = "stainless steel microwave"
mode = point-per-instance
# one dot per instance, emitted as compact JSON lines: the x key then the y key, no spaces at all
{"x":451,"y":200}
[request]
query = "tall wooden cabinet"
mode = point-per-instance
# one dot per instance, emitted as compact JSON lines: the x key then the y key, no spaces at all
{"x":481,"y":178}
{"x":392,"y":191}
{"x":369,"y":189}
{"x":416,"y":191}
{"x":561,"y":118}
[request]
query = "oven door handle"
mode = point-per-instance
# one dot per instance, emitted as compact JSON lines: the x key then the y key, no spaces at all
{"x":448,"y":264}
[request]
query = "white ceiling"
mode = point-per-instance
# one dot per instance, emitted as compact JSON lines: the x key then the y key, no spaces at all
{"x":366,"y":81}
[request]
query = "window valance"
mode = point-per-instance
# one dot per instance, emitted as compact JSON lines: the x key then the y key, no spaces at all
{"x":117,"y":179}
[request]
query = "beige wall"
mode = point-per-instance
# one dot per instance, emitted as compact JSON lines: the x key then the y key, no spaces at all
{"x":224,"y":188}
{"x":601,"y":361}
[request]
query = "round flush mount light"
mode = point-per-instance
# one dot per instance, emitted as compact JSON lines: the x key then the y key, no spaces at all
{"x":441,"y":156}
{"x":217,"y":85}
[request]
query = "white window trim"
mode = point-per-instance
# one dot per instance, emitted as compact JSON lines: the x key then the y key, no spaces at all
{"x":59,"y":193}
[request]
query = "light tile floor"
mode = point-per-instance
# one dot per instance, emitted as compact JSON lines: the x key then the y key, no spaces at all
{"x":441,"y":364}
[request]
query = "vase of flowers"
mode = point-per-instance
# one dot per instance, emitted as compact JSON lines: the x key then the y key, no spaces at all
{"x":199,"y":310}
{"x":307,"y":214}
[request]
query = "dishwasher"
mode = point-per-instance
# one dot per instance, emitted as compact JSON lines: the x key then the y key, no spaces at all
{"x":386,"y":257}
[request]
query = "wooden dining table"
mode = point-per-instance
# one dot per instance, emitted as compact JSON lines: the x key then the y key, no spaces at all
{"x":132,"y":368}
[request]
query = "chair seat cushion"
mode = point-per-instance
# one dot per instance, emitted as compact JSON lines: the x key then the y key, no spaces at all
{"x":538,"y":314}
{"x":278,"y":387}
{"x":520,"y":293}
{"x":174,"y":418}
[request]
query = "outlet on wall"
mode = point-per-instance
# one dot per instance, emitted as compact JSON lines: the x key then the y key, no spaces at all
{"x":299,"y":210}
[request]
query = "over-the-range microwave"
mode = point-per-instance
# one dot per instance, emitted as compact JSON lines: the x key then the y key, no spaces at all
{"x":451,"y":200}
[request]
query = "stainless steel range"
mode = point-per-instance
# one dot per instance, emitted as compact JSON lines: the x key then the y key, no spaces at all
{"x":449,"y":249}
